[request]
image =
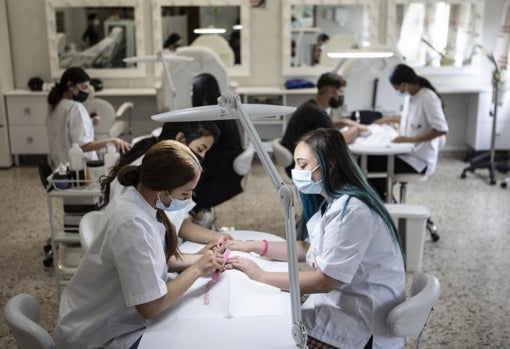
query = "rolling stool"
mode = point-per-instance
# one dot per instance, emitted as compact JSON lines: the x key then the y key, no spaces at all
{"x":403,"y":179}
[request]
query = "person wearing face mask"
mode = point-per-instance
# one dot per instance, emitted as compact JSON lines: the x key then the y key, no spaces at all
{"x":69,"y":122}
{"x":313,"y":113}
{"x":356,"y":266}
{"x":122,"y":281}
{"x":199,"y":137}
{"x":90,"y":36}
{"x":318,"y":47}
{"x":422,"y":123}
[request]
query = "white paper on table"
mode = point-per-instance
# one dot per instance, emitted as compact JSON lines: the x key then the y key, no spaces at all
{"x":380,"y":135}
{"x":233,"y":295}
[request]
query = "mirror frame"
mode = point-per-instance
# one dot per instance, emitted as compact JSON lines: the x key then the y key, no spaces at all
{"x":244,"y":5}
{"x":56,"y":71}
{"x":471,"y":69}
{"x":372,"y":6}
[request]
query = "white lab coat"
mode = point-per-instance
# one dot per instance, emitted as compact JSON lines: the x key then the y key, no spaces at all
{"x":68,"y":123}
{"x":176,"y":217}
{"x":353,"y":245}
{"x":124,"y":266}
{"x":422,"y":112}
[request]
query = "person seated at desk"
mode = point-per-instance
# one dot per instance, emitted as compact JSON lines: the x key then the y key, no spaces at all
{"x":121,"y":281}
{"x":200,"y":138}
{"x":357,"y":268}
{"x":422,"y":123}
{"x":69,"y":122}
{"x":313,"y":114}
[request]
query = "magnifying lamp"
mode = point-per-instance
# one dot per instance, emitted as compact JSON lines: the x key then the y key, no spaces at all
{"x":230,"y":107}
{"x":164,"y":59}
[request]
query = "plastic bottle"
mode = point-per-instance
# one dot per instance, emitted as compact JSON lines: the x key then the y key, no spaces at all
{"x":76,"y":164}
{"x":357,"y":117}
{"x":110,"y":158}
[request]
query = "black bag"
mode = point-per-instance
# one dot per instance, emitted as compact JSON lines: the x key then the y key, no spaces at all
{"x":366,"y":117}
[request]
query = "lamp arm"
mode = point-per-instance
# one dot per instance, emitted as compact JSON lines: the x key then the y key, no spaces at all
{"x":232,"y":102}
{"x":169,"y":79}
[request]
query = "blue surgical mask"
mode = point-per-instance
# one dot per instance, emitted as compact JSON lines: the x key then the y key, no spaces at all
{"x":304,"y":183}
{"x":175,"y":205}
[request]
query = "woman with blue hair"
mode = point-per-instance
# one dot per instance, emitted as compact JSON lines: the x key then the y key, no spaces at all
{"x":357,"y":272}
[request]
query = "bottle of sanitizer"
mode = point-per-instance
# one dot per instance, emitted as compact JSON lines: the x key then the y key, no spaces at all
{"x":76,"y":163}
{"x":110,"y":158}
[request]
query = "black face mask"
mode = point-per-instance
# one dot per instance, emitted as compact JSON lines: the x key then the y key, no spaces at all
{"x":336,"y":102}
{"x":81,"y":96}
{"x":200,"y":159}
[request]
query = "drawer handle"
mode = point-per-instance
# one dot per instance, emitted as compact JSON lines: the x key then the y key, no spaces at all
{"x":27,"y":110}
{"x":30,"y":140}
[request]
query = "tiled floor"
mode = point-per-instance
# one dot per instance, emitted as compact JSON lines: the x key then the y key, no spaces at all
{"x":470,"y":259}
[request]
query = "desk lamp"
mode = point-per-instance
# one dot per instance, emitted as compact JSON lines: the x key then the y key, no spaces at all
{"x":230,"y":107}
{"x":164,"y":59}
{"x":480,"y":161}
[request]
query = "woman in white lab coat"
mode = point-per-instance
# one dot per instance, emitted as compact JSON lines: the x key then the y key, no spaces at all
{"x":69,"y":122}
{"x":199,"y":137}
{"x":122,"y":280}
{"x":422,"y":123}
{"x":356,"y":264}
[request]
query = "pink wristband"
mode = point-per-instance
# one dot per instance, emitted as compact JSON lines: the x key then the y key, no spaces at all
{"x":266,"y":247}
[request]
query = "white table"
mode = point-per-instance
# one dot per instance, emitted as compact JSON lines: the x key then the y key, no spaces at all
{"x":181,"y":327}
{"x":378,"y":143}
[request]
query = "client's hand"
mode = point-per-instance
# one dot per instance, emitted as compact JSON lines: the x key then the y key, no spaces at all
{"x":247,"y":266}
{"x":239,"y":245}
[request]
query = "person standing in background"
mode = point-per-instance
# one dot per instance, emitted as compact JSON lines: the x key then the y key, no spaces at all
{"x":69,"y":122}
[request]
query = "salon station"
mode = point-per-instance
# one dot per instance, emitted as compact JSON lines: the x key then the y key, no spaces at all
{"x":136,"y":67}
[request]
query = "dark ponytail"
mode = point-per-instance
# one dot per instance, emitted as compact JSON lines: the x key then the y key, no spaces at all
{"x":73,"y":75}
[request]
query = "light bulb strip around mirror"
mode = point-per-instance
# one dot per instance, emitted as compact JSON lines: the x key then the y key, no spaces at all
{"x":239,"y":70}
{"x":371,"y":28}
{"x":52,"y":6}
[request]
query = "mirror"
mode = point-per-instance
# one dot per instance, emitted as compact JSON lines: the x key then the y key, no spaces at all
{"x":345,"y":24}
{"x":96,"y":35}
{"x":435,"y":33}
{"x":184,"y":17}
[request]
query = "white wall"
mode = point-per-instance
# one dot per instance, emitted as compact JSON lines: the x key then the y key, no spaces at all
{"x":27,"y":24}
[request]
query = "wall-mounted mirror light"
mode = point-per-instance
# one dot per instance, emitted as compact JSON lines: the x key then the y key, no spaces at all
{"x":96,"y":35}
{"x":223,"y":27}
{"x":313,"y":28}
{"x":435,"y":33}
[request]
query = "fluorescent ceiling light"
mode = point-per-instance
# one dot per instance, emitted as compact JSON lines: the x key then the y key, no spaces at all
{"x":237,"y":27}
{"x":209,"y":31}
{"x":361,"y":54}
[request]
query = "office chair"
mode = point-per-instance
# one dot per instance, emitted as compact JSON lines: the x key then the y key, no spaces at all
{"x":282,"y":155}
{"x":88,"y":227}
{"x":22,"y":316}
{"x":409,"y":318}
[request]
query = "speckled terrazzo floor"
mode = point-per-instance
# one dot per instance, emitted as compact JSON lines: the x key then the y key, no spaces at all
{"x":471,"y":258}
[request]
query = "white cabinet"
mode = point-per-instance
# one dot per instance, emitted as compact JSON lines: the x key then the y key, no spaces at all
{"x":27,"y":124}
{"x":480,"y":119}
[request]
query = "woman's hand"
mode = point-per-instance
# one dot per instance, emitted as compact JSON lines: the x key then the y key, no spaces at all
{"x":247,"y":266}
{"x":122,"y":145}
{"x":209,"y":262}
{"x":402,"y":139}
{"x":212,"y":246}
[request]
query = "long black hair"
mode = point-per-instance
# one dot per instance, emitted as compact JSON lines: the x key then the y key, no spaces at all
{"x":73,"y":75}
{"x":190,"y":130}
{"x":404,"y":73}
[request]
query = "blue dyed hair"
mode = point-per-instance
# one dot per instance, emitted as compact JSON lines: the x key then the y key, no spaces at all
{"x":341,"y":175}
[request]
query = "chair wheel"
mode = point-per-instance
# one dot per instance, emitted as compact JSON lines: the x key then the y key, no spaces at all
{"x":47,"y":248}
{"x":463,"y":175}
{"x":48,"y":261}
{"x":504,"y":184}
{"x":434,"y":237}
{"x":492,"y":182}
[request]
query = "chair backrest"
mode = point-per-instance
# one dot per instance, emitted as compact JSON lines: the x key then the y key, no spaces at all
{"x":106,"y":113}
{"x":282,"y":155}
{"x":408,"y":318}
{"x":88,"y":227}
{"x":22,"y":316}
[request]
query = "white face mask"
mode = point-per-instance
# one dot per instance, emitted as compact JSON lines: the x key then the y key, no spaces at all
{"x":304,"y":183}
{"x":175,"y":205}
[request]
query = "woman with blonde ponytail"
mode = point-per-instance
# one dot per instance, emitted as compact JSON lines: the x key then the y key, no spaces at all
{"x":122,"y":280}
